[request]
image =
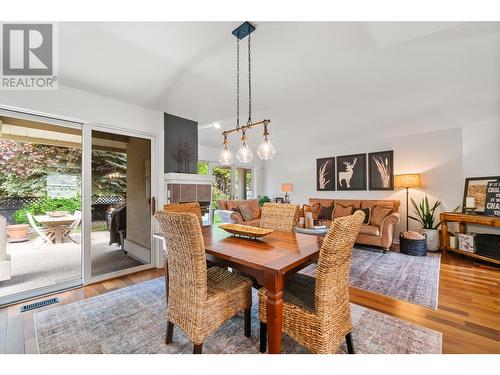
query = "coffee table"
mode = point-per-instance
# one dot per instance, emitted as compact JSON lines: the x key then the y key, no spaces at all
{"x":314,"y":232}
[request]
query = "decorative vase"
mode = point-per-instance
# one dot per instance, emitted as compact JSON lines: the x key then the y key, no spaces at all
{"x":432,"y":239}
{"x":18,"y":232}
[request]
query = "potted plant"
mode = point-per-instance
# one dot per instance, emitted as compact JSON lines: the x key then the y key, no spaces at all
{"x":425,"y":216}
{"x":263,"y":199}
{"x":19,"y":231}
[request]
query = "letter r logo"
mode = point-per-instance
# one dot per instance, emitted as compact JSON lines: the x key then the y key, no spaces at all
{"x":27,"y":49}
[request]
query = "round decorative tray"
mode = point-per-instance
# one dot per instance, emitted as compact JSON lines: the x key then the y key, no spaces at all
{"x":245,"y":230}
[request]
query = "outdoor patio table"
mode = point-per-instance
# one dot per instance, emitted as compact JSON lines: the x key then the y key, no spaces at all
{"x":55,"y":224}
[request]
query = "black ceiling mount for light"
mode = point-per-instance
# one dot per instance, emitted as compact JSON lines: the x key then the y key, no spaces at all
{"x":243,"y":30}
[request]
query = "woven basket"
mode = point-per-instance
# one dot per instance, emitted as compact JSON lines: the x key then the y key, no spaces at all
{"x":412,"y":247}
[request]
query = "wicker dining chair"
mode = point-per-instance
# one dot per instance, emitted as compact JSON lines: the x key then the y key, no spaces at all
{"x":316,"y":311}
{"x":200,"y":299}
{"x":280,"y":217}
{"x":193,"y":208}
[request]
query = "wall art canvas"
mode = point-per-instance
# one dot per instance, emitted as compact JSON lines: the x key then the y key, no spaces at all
{"x":381,"y":170}
{"x":476,"y":187}
{"x":492,"y":206}
{"x":325,"y":174}
{"x":351,"y":172}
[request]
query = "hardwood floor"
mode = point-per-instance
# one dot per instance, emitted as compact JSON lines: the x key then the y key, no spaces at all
{"x":468,"y":314}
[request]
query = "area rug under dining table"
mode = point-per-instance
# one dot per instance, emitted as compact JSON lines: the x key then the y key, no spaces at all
{"x":132,"y":320}
{"x":404,"y":277}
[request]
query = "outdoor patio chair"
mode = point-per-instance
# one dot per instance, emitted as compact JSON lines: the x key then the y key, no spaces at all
{"x":44,"y":235}
{"x":71,"y":228}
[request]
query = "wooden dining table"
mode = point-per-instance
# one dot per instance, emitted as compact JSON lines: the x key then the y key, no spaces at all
{"x":55,"y":224}
{"x":270,"y":260}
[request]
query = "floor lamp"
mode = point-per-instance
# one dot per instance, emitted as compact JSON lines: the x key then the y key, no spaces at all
{"x":407,"y":181}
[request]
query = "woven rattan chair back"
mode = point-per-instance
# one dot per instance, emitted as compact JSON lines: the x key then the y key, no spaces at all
{"x":280,"y":217}
{"x":193,"y":207}
{"x":334,"y":263}
{"x":187,"y":267}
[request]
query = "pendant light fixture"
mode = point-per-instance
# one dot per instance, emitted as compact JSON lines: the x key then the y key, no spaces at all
{"x":266,"y":150}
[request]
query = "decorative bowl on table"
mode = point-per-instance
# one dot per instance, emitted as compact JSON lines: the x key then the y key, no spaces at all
{"x":245,"y":230}
{"x":57,"y":213}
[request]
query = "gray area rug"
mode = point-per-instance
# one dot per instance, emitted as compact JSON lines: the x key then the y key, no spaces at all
{"x":404,"y":277}
{"x":132,"y":320}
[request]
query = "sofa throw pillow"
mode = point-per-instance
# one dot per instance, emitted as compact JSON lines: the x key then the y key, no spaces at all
{"x":367,"y":212}
{"x":246,"y":212}
{"x":314,"y":208}
{"x":325,"y":213}
{"x":341,"y":211}
{"x":378,"y":214}
{"x":254,"y":206}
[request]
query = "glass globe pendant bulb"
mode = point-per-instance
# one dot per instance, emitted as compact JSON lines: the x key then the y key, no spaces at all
{"x":225,"y":156}
{"x":266,"y":150}
{"x":244,"y":155}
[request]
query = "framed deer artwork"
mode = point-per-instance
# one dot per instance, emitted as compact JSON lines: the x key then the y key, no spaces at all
{"x":325,"y":174}
{"x":351,"y":172}
{"x":381,"y":170}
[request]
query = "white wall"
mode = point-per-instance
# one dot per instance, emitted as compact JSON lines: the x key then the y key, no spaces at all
{"x":481,"y":149}
{"x":442,"y":157}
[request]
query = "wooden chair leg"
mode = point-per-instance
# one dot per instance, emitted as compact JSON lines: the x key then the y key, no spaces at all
{"x":263,"y":337}
{"x":197,"y":349}
{"x":170,"y":333}
{"x":248,"y":322}
{"x":348,"y":340}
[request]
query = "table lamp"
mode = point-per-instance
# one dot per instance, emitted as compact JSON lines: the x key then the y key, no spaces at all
{"x":407,"y":181}
{"x":287,"y":188}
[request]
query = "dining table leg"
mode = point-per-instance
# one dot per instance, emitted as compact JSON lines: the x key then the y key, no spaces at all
{"x":274,"y":283}
{"x":58,"y":233}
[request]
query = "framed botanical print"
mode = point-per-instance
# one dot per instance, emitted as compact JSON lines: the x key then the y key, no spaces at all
{"x":325,"y":174}
{"x":381,"y":170}
{"x":351,"y":172}
{"x":476,"y":187}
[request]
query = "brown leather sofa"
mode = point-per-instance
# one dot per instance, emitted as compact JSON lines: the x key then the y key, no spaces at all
{"x":229,"y":216}
{"x":373,"y":234}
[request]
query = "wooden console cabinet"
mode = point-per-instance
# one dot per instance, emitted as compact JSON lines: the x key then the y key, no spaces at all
{"x":463,"y":220}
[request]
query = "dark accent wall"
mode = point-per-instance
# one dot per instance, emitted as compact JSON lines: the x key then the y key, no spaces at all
{"x":180,"y":133}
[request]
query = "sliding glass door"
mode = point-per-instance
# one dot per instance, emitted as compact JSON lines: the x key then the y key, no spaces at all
{"x":121,"y":203}
{"x":40,"y":205}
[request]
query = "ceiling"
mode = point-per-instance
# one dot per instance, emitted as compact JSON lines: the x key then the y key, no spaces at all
{"x":307,"y":76}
